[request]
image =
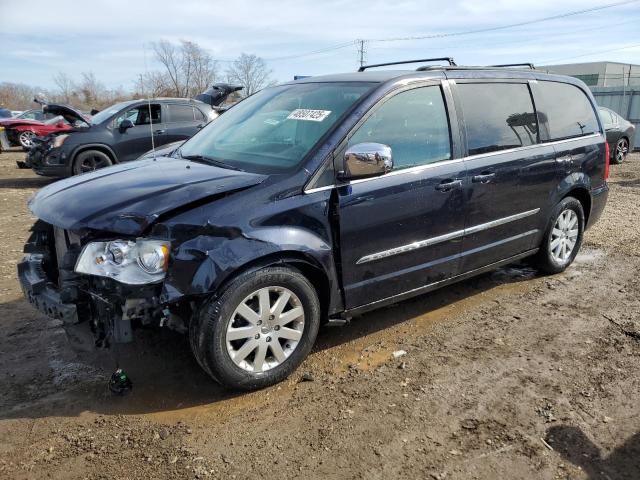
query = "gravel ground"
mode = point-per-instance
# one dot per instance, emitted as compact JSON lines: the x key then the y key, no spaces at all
{"x":508,"y":375}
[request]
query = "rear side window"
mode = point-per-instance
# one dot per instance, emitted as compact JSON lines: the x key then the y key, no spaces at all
{"x":606,"y":117}
{"x":497,"y":116}
{"x":567,"y":109}
{"x":199,"y":115}
{"x":180,"y":113}
{"x":414,"y":124}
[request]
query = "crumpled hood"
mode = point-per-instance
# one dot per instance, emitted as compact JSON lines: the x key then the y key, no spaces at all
{"x":128,"y":198}
{"x":12,"y":122}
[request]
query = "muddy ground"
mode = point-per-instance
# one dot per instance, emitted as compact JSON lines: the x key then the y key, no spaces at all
{"x":509,"y":375}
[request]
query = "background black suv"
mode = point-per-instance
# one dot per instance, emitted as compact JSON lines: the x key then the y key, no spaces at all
{"x":119,"y":133}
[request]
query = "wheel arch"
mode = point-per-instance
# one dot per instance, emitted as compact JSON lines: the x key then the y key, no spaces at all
{"x":101,"y":147}
{"x":304,"y":263}
{"x":582,"y":194}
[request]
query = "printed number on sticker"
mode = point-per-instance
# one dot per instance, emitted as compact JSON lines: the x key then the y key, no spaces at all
{"x":309,"y":115}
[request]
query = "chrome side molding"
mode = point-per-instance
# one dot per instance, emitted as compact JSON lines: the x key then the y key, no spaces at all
{"x":444,"y":238}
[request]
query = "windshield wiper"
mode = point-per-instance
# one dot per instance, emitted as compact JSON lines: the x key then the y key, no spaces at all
{"x":210,"y":161}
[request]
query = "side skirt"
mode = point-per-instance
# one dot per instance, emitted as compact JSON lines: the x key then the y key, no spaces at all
{"x":434,"y":286}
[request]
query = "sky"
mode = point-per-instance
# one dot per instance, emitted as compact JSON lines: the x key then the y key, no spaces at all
{"x":113,"y":38}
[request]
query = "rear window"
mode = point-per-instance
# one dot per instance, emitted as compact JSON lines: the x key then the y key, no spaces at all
{"x":497,"y":116}
{"x":567,"y":109}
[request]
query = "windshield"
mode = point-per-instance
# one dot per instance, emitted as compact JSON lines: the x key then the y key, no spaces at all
{"x":108,"y":113}
{"x":272,"y":131}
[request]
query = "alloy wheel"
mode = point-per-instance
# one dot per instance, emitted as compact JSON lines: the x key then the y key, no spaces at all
{"x":265,"y":329}
{"x":26,"y":139}
{"x":622,"y":148}
{"x":564,"y":236}
{"x":92,"y":163}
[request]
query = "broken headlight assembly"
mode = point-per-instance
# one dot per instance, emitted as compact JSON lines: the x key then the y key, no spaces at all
{"x":59,"y":140}
{"x":134,"y":263}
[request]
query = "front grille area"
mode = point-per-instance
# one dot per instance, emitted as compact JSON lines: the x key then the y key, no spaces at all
{"x":67,"y":247}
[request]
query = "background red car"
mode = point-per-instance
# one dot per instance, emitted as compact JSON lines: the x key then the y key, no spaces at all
{"x":53,"y":118}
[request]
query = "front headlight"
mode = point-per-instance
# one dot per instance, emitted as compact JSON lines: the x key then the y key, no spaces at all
{"x":59,"y":140}
{"x":134,"y":263}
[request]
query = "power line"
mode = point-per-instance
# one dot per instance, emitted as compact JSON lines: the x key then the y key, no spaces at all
{"x":503,"y":27}
{"x":521,"y":41}
{"x":361,"y":43}
{"x":590,"y":53}
{"x":313,"y":52}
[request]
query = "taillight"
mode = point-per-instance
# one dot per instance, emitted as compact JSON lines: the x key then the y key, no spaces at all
{"x":607,"y":160}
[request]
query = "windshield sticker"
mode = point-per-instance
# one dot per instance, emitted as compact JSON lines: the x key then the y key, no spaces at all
{"x":309,"y":115}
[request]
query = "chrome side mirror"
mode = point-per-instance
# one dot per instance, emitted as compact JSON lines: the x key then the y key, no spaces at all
{"x":366,"y":160}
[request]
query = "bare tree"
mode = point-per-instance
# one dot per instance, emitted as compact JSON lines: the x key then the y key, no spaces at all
{"x":187,"y":69}
{"x":65,"y":86}
{"x":91,"y":89}
{"x":152,"y":84}
{"x":168,"y":55}
{"x":251,"y":72}
{"x":200,"y":70}
{"x":17,"y":96}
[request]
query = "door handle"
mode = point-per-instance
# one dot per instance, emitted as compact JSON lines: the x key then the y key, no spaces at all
{"x":484,"y":177}
{"x":564,"y":159}
{"x":200,"y":126}
{"x":159,"y":132}
{"x":448,"y":185}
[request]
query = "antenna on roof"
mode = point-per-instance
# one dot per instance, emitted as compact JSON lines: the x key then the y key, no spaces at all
{"x":146,"y":70}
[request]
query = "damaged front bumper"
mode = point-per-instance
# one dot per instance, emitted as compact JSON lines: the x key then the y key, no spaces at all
{"x":51,"y":285}
{"x":47,"y":162}
{"x":41,"y":293}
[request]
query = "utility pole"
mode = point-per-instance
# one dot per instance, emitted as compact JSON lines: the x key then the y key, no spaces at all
{"x":362,"y":52}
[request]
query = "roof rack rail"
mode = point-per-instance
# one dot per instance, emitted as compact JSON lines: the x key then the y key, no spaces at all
{"x":443,"y":59}
{"x":507,"y":65}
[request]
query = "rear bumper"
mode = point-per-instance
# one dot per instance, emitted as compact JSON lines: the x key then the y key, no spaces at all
{"x":41,"y":293}
{"x":598,"y":201}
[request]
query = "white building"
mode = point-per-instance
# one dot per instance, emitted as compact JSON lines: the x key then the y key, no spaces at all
{"x":599,"y":74}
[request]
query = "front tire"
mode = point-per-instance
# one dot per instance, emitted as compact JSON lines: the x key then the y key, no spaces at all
{"x":563,"y":237}
{"x":26,"y":139}
{"x":90,"y":160}
{"x":258,"y":330}
{"x":621,"y":151}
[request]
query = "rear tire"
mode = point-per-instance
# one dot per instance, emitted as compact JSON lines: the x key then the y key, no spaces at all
{"x":620,"y":151}
{"x":562,"y":238}
{"x":90,"y":160}
{"x":258,"y":330}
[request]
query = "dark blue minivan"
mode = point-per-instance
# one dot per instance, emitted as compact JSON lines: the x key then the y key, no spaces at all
{"x":317,"y":200}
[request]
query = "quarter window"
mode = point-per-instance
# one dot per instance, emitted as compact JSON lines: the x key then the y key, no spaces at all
{"x":607,"y":117}
{"x":567,"y":109}
{"x":414,"y":124}
{"x":199,"y":115}
{"x":497,"y":116}
{"x":180,"y":113}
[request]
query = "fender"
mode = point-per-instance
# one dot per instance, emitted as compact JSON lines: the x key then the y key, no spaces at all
{"x":202,"y":264}
{"x":577,"y":181}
